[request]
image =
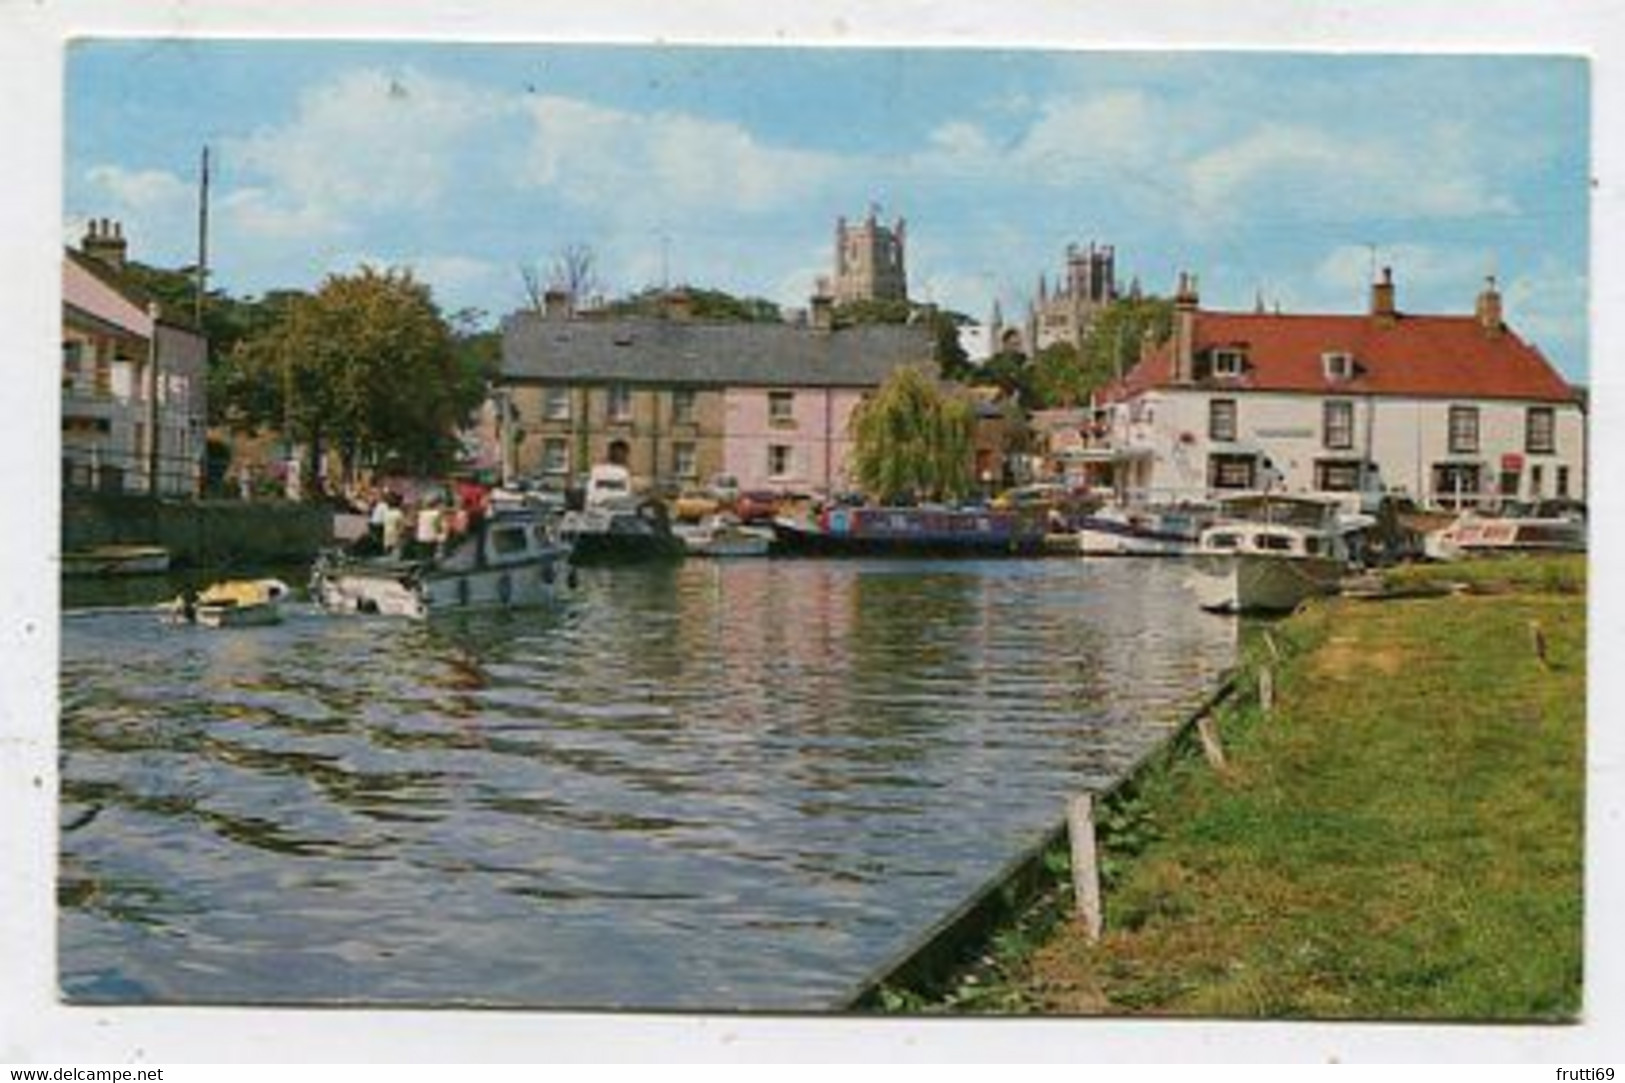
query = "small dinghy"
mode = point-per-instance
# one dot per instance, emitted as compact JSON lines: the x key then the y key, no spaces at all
{"x":233,"y":603}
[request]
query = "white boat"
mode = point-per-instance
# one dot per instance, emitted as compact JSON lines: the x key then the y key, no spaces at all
{"x":233,"y":603}
{"x":511,"y":559}
{"x":1268,"y":554}
{"x":1517,"y":528}
{"x":721,"y":536}
{"x":616,"y":525}
{"x":1115,"y":530}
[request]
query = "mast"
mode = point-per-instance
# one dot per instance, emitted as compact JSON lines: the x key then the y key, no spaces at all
{"x":202,"y":239}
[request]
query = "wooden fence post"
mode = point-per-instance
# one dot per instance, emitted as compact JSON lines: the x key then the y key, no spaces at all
{"x":1266,"y":689}
{"x":1080,"y":828}
{"x":1211,"y":748}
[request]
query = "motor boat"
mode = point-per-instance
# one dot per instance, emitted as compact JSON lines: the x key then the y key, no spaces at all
{"x":233,"y":603}
{"x":1268,"y":554}
{"x":1550,"y":527}
{"x":508,"y":559}
{"x":1116,"y":530}
{"x":724,"y":536}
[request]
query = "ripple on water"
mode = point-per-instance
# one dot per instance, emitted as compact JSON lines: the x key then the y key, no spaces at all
{"x":725,"y":785}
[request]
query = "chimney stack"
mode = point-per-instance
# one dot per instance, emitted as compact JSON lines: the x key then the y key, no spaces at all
{"x":1186,"y":300}
{"x":1488,"y":309}
{"x":104,"y":242}
{"x":679,"y":305}
{"x":821,"y":308}
{"x":556,"y":304}
{"x":1382,"y":297}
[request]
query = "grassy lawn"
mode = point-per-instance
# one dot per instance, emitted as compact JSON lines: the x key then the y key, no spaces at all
{"x":1401,"y":838}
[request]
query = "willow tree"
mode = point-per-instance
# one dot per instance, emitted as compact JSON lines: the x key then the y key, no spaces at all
{"x":914,"y":440}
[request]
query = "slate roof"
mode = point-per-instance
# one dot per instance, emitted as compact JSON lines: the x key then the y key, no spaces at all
{"x":647,"y":350}
{"x":1412,"y":356}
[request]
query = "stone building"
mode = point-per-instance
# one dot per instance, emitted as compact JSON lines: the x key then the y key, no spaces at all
{"x":869,"y":261}
{"x":1066,"y":314}
{"x":679,"y":400}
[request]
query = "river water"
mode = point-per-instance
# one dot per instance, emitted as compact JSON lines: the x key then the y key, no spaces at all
{"x":720,"y":785}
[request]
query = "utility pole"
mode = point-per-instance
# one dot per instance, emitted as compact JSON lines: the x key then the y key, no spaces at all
{"x":202,"y":239}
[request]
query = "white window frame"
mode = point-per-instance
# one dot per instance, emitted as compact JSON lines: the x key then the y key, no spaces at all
{"x":781,"y":408}
{"x":1228,"y":363}
{"x":1461,"y":440}
{"x":1338,"y":365}
{"x":1215,"y":432}
{"x":555,"y":456}
{"x":1345,"y":408}
{"x":684,"y":401}
{"x":555,"y":404}
{"x":685,"y":459}
{"x":619,"y":405}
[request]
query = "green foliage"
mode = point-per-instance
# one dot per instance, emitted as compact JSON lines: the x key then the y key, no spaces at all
{"x":1115,"y":339}
{"x":849,"y":313}
{"x":704,"y":304}
{"x":913,"y":440}
{"x":368,"y":366}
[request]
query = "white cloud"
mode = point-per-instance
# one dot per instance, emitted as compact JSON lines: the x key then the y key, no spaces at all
{"x":658,"y":165}
{"x":369,"y":142}
{"x":143,"y":190}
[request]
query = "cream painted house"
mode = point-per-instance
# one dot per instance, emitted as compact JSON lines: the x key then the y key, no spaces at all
{"x":1451,"y":411}
{"x":134,"y":387}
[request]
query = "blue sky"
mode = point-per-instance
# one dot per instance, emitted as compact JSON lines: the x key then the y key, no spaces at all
{"x":726,"y":167}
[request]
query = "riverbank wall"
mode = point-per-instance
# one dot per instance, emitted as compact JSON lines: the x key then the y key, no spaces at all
{"x":199,"y":533}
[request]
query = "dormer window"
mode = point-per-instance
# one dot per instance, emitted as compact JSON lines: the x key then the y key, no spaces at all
{"x":1339,"y":366}
{"x":1228,"y":363}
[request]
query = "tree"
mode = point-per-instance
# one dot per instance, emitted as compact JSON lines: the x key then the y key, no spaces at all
{"x":1059,"y":377}
{"x":914,"y":440}
{"x":573,"y":272}
{"x":368,"y":367}
{"x":1113,"y":346}
{"x":704,"y":304}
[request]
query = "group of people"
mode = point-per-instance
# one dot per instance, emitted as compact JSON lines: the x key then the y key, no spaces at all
{"x":427,"y":528}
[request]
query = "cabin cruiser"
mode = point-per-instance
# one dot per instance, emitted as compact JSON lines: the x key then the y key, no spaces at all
{"x":511,"y":558}
{"x":1116,"y":530}
{"x":1269,"y":553}
{"x":1543,"y":527}
{"x":615,"y":524}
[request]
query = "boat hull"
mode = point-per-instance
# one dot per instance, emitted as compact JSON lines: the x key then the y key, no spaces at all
{"x":239,"y":616}
{"x":1257,"y":583}
{"x":116,"y":560}
{"x":418,"y":593}
{"x":791,"y":538}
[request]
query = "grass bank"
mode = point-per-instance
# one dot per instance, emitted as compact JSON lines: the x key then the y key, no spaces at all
{"x":1401,"y":837}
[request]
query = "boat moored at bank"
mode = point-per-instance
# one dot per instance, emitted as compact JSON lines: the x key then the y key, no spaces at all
{"x":1269,"y":554}
{"x":913,"y":531}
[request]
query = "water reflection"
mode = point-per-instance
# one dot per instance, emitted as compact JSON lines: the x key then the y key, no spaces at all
{"x":720,"y":785}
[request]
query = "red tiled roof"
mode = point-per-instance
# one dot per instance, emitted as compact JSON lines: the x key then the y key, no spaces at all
{"x":1414,"y":356}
